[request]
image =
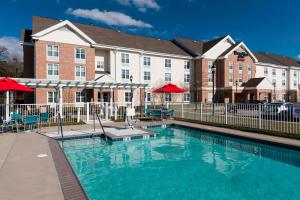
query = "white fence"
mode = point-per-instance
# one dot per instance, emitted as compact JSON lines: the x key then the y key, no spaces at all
{"x":270,"y":117}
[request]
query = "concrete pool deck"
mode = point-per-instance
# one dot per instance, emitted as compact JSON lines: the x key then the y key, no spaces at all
{"x":25,"y":176}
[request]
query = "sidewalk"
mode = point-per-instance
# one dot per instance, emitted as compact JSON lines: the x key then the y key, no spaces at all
{"x":22,"y":174}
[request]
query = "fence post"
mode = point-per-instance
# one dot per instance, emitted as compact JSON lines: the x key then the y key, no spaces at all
{"x":116,"y":112}
{"x":226,"y":114}
{"x":259,"y":116}
{"x":106,"y":111}
{"x":201,"y":111}
{"x":87,"y":112}
{"x":182,"y":114}
{"x":78,"y":114}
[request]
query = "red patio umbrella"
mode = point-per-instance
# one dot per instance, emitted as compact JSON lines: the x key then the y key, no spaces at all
{"x":7,"y":84}
{"x":169,"y":88}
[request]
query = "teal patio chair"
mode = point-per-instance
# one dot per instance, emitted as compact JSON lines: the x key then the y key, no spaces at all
{"x":5,"y":125}
{"x":44,"y":118}
{"x":16,"y":120}
{"x":30,"y":120}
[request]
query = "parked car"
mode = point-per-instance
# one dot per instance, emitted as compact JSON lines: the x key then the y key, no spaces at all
{"x":279,"y":111}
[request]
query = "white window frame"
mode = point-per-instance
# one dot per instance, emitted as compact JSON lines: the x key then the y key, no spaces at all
{"x":148,"y":76}
{"x":148,"y":97}
{"x":274,"y":72}
{"x":99,"y":63}
{"x":187,"y":65}
{"x":80,"y":60}
{"x":241,"y":65}
{"x":187,"y":78}
{"x":231,"y":65}
{"x":187,"y":97}
{"x":240,"y":77}
{"x":81,"y":71}
{"x":82,"y":97}
{"x":147,"y":61}
{"x":127,"y":97}
{"x":52,"y":76}
{"x":168,"y":97}
{"x":283,"y":73}
{"x":266,"y":71}
{"x":168,"y":63}
{"x":54,"y":94}
{"x":52,"y":57}
{"x":169,"y":80}
{"x":283,"y":83}
{"x":125,"y":59}
{"x":230,"y":78}
{"x":126,"y":75}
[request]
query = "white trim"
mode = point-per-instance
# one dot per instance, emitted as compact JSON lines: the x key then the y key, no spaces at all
{"x":60,"y":25}
{"x":228,"y":37}
{"x":237,"y":46}
{"x":141,"y":51}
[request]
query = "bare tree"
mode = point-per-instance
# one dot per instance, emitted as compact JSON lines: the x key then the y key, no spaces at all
{"x":4,"y":55}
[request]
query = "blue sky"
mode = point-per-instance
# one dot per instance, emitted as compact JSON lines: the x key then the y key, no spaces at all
{"x":264,"y":25}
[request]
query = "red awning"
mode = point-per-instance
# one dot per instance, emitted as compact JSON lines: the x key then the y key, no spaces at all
{"x":7,"y":84}
{"x":169,"y":88}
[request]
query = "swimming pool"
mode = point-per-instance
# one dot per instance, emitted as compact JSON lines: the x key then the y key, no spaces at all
{"x":184,"y":163}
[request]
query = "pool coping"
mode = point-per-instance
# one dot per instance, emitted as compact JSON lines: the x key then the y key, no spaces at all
{"x":288,"y":143}
{"x":70,"y":184}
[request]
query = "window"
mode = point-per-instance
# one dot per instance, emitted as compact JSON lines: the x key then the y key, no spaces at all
{"x":210,"y":64}
{"x":52,"y":71}
{"x":125,"y":58}
{"x":80,"y":72}
{"x":295,"y":74}
{"x":209,"y":77}
{"x":100,"y":65}
{"x":231,"y":65}
{"x":274,"y":72}
{"x":249,"y":68}
{"x":147,"y":61}
{"x":147,"y":76}
{"x":187,"y":78}
{"x":274,"y":82}
{"x":168,"y":97}
{"x":240,"y":77}
{"x":241,"y":66}
{"x":283,"y":72}
{"x":168,"y":77}
{"x":52,"y":51}
{"x":230,"y":77}
{"x":80,"y":54}
{"x":52,"y":97}
{"x":283,"y":82}
{"x":266,"y":71}
{"x":186,"y":65}
{"x":80,"y":97}
{"x":125,"y":74}
{"x":295,"y":82}
{"x":168,"y":63}
{"x":127,"y":96}
{"x":186,"y":97}
{"x":148,"y":97}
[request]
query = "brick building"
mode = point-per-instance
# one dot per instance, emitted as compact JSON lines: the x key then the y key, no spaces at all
{"x":64,"y":51}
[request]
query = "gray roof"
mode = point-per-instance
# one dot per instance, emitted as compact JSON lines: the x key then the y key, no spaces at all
{"x":276,"y":59}
{"x":253,"y":82}
{"x":196,"y":47}
{"x":113,"y":37}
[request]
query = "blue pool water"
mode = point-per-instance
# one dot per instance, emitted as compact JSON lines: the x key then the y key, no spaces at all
{"x":183,"y":163}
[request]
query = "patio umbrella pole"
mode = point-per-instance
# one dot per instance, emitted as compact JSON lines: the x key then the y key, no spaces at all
{"x":7,"y":106}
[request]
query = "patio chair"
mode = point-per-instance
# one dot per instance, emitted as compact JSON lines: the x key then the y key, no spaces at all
{"x":30,"y":120}
{"x":157,"y":114}
{"x":44,"y":118}
{"x":4,"y":125}
{"x":16,"y":120}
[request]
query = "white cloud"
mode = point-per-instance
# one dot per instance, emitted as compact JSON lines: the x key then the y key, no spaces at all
{"x":142,"y":5}
{"x":13,"y":46}
{"x":108,"y":17}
